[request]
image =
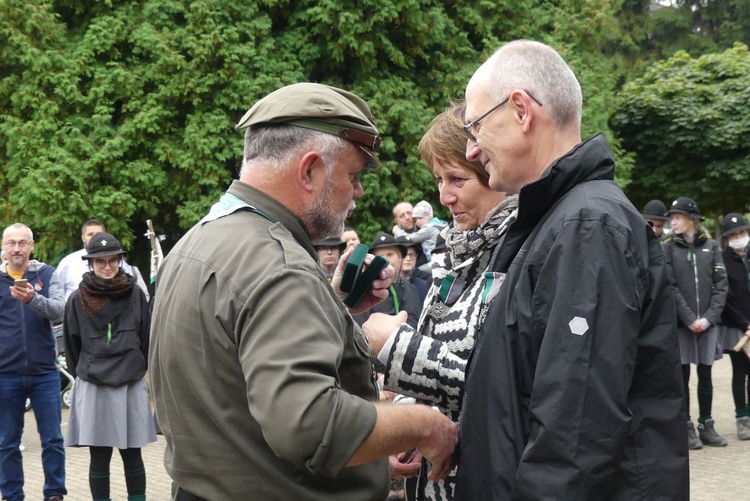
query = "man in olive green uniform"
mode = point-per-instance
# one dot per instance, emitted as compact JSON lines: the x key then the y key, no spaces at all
{"x":263,"y":383}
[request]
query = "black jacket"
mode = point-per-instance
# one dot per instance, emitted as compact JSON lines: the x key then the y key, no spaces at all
{"x":574,"y":390}
{"x":698,"y":278}
{"x":114,"y":362}
{"x":736,"y":311}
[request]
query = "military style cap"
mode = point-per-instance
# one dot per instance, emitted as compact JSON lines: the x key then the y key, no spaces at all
{"x":318,"y":107}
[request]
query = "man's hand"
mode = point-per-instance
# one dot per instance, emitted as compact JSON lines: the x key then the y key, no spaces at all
{"x":379,"y":290}
{"x":379,"y":328}
{"x":405,"y":464}
{"x":23,"y":293}
{"x":697,"y":326}
{"x":439,"y":449}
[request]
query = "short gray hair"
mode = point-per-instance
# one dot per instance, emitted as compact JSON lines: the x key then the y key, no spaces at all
{"x":541,"y":71}
{"x":275,"y":146}
{"x":19,"y":226}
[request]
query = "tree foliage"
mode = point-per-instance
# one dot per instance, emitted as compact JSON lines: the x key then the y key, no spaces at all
{"x":124,"y":111}
{"x":688,"y":120}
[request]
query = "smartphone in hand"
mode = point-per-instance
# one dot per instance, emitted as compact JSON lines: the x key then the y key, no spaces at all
{"x":22,"y":282}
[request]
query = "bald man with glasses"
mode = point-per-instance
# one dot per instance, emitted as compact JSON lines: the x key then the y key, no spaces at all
{"x":31,"y":298}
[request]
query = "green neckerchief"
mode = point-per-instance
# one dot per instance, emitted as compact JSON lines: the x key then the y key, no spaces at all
{"x":396,"y":302}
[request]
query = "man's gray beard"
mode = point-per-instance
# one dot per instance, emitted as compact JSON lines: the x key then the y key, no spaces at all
{"x":320,"y":221}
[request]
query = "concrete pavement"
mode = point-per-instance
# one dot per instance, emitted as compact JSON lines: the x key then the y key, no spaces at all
{"x":716,"y":474}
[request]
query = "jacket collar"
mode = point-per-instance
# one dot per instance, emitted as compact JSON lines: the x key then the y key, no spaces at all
{"x":587,"y":161}
{"x":276,"y":211}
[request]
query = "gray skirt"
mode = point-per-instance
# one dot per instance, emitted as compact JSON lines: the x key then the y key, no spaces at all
{"x":729,"y":337}
{"x":107,"y":416}
{"x":699,"y":348}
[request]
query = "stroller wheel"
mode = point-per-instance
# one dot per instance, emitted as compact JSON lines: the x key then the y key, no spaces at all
{"x":28,"y":404}
{"x":67,"y":398}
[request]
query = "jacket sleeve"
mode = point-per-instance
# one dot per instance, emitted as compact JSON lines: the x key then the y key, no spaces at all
{"x":684,"y":313}
{"x":719,"y":288}
{"x":585,"y":317}
{"x":53,"y":307}
{"x":72,"y":335}
{"x":424,"y":368}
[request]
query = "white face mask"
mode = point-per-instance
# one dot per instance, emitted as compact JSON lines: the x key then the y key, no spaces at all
{"x":739,"y":244}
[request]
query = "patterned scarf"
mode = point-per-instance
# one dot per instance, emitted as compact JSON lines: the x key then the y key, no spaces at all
{"x":104,"y":299}
{"x":469,"y":252}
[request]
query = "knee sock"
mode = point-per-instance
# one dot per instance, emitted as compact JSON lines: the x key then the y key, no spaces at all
{"x":705,"y":392}
{"x":99,"y":472}
{"x":739,"y":375}
{"x":685,"y":380}
{"x":135,"y":474}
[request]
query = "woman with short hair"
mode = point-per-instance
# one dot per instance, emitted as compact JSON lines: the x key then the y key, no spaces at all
{"x":428,"y":363}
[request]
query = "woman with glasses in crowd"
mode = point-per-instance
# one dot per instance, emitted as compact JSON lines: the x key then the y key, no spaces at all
{"x":428,"y":363}
{"x":106,"y":333}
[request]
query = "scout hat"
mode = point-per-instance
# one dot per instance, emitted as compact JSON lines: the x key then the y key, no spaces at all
{"x":102,"y":245}
{"x":687,"y":206}
{"x":733,"y":223}
{"x":318,"y":107}
{"x":406,"y":241}
{"x":331,"y":242}
{"x":655,"y":209}
{"x":384,"y":239}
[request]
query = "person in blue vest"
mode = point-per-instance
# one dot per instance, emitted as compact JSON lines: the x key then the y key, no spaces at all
{"x":31,"y":298}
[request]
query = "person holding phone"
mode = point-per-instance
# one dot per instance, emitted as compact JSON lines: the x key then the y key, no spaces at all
{"x":31,"y":298}
{"x":106,"y":340}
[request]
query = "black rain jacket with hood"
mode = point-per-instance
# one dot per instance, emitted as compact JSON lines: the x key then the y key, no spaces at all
{"x":574,"y":390}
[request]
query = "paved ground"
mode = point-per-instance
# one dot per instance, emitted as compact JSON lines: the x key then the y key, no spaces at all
{"x":717,"y":474}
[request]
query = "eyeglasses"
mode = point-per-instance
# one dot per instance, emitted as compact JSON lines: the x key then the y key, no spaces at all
{"x":22,"y":244}
{"x":113,"y":263}
{"x":412,"y":255}
{"x":469,"y":126}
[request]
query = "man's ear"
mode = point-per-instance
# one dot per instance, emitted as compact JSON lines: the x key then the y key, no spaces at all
{"x":311,"y":172}
{"x":523,"y":111}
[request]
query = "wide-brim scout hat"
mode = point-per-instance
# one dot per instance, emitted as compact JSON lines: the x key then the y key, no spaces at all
{"x":318,"y":107}
{"x":687,"y":206}
{"x":733,"y":222}
{"x":102,"y":245}
{"x":408,"y":242}
{"x":384,"y":239}
{"x":655,"y":209}
{"x":331,"y":242}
